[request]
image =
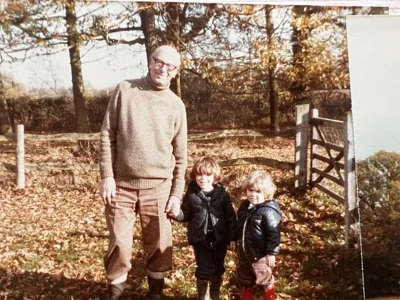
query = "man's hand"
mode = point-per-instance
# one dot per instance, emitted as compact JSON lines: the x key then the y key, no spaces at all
{"x":173,"y":206}
{"x":107,"y":189}
{"x":271,"y":260}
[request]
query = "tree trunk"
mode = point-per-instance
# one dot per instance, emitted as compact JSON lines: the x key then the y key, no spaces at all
{"x":5,"y":123}
{"x":298,"y":37}
{"x":149,"y":30}
{"x":173,"y":33}
{"x":178,"y":85}
{"x":78,"y":88}
{"x":271,"y":85}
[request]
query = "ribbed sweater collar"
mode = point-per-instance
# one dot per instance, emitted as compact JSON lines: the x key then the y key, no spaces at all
{"x":149,"y":82}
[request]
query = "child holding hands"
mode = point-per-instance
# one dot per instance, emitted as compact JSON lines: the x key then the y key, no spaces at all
{"x":258,"y":231}
{"x":211,"y":218}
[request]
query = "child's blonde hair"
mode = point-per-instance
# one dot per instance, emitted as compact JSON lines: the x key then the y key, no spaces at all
{"x":260,"y":180}
{"x":207,"y":166}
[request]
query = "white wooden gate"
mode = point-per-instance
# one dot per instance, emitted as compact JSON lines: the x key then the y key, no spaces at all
{"x":337,"y":160}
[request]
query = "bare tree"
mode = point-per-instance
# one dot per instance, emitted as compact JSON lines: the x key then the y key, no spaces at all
{"x":44,"y":29}
{"x":148,"y":27}
{"x":175,"y":24}
{"x":5,"y":123}
{"x":300,"y":34}
{"x":78,"y":88}
{"x":271,"y":66}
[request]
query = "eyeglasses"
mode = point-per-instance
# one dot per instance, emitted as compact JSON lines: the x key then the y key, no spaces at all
{"x":159,"y":64}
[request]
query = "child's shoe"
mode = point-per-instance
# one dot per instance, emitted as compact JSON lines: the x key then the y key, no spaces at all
{"x":269,"y":292}
{"x":203,"y":289}
{"x":155,"y":288}
{"x":246,"y":293}
{"x":215,"y":286}
{"x":116,"y":290}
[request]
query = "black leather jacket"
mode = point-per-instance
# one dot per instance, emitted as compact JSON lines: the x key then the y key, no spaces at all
{"x":258,"y":228}
{"x":198,"y":210}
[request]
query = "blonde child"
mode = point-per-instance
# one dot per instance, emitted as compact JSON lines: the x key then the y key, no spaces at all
{"x":211,"y":218}
{"x":258,"y":231}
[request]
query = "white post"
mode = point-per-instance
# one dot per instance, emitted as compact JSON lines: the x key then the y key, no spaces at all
{"x":302,"y":125}
{"x":20,"y":157}
{"x":350,"y":190}
{"x":314,"y":136}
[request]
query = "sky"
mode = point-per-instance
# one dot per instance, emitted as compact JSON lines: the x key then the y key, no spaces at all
{"x":103,"y":68}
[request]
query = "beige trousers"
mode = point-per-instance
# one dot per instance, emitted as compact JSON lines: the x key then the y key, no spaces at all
{"x":156,"y":229}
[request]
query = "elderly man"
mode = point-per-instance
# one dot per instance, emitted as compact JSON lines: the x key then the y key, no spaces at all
{"x":143,"y":160}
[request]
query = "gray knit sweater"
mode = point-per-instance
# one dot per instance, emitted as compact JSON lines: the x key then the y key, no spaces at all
{"x":143,"y":139}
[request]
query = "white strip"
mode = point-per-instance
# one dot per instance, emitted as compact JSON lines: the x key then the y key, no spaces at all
{"x":156,"y":275}
{"x":120,"y":279}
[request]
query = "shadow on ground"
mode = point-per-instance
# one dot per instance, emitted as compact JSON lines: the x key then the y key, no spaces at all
{"x":273,"y":163}
{"x":36,"y":285}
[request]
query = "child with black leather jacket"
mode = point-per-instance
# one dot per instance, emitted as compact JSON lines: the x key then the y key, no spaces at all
{"x":258,"y":232}
{"x":207,"y":207}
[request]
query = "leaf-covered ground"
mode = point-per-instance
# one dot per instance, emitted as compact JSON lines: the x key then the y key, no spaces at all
{"x":53,"y":234}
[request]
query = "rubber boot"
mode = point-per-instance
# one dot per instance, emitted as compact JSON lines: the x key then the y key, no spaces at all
{"x":246,"y":293}
{"x":269,"y":292}
{"x":116,"y":290}
{"x":155,"y":288}
{"x":215,"y":287}
{"x":203,"y":289}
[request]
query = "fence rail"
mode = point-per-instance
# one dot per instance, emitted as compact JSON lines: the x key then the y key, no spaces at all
{"x":332,"y":160}
{"x":58,"y":137}
{"x":326,"y":122}
{"x":6,"y":167}
{"x":81,"y":138}
{"x":75,"y":137}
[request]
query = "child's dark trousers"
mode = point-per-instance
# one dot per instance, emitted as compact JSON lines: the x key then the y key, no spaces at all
{"x":210,"y":261}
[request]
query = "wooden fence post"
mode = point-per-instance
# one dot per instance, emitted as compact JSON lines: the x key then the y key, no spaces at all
{"x":302,"y":128}
{"x":350,"y":190}
{"x":20,"y":157}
